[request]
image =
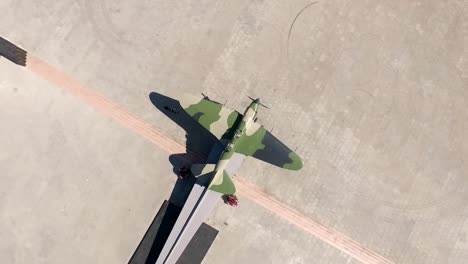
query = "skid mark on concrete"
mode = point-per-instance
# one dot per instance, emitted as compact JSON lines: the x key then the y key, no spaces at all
{"x":245,"y":188}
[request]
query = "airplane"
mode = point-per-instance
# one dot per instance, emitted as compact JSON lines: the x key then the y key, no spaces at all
{"x":241,"y":135}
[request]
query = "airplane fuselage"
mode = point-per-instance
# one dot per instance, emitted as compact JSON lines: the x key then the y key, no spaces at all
{"x":239,"y":130}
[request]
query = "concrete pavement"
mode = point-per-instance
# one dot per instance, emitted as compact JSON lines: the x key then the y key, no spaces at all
{"x":373,"y":94}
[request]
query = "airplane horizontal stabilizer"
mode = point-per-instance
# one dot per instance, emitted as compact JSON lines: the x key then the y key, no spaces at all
{"x":223,"y":184}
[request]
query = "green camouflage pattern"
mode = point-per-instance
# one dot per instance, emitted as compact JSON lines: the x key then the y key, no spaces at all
{"x":241,"y":135}
{"x":211,"y":115}
{"x":226,"y":186}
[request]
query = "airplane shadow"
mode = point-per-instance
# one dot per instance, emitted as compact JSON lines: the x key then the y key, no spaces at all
{"x":198,"y":139}
{"x":155,"y":237}
{"x":199,"y":145}
{"x":12,"y":52}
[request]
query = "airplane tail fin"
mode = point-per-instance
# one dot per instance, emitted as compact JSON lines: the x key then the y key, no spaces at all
{"x":199,"y":170}
{"x":203,"y":172}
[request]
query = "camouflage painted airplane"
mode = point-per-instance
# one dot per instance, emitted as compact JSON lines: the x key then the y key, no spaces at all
{"x":241,"y":136}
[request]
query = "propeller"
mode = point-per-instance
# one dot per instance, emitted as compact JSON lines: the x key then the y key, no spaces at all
{"x":258,"y":101}
{"x":205,"y":96}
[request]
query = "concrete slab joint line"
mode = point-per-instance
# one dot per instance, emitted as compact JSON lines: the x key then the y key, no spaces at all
{"x":245,"y":188}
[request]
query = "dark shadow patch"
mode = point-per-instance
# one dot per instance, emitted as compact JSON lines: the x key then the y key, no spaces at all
{"x":231,"y":131}
{"x":153,"y":241}
{"x":197,"y":248}
{"x":275,"y":152}
{"x":198,"y":139}
{"x":182,"y":188}
{"x":197,"y":116}
{"x":199,"y":145}
{"x":12,"y":52}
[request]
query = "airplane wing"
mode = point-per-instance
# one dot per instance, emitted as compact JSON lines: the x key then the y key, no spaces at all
{"x":261,"y":144}
{"x":211,"y":115}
